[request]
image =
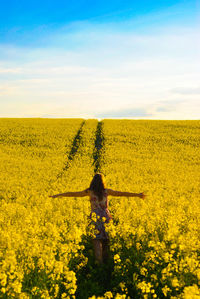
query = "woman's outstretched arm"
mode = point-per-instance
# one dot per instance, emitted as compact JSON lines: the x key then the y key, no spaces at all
{"x":128,"y":194}
{"x":72,"y":194}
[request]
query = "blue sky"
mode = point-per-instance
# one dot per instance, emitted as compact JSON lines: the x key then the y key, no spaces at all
{"x":100,"y":59}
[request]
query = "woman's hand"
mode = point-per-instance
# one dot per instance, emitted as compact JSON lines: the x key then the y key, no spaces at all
{"x":53,"y":196}
{"x":141,"y":195}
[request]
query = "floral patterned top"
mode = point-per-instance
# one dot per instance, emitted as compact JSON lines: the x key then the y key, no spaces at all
{"x":100,"y":208}
{"x":96,"y":203}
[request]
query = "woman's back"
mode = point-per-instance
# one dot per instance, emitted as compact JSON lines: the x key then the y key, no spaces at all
{"x":96,"y":203}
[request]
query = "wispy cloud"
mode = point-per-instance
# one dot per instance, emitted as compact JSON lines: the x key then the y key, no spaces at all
{"x":9,"y":70}
{"x":186,"y":90}
{"x":167,"y":105}
{"x":124,"y":113}
{"x":177,"y":109}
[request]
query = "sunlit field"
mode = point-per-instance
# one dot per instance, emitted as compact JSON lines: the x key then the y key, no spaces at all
{"x":45,"y":243}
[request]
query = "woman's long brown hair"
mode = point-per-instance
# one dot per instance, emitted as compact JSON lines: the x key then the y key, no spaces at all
{"x":97,"y":185}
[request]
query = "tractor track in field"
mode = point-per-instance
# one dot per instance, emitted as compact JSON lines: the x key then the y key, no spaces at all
{"x":75,"y":146}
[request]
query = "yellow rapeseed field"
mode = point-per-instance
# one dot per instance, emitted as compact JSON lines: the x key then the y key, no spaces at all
{"x":45,"y":243}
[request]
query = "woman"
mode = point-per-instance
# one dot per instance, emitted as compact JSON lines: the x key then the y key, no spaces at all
{"x":99,"y":205}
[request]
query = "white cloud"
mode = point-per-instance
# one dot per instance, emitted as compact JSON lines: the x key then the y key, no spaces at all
{"x":186,"y":90}
{"x":10,"y":70}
